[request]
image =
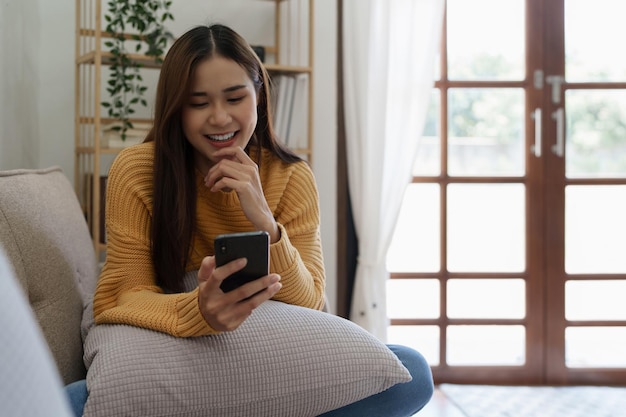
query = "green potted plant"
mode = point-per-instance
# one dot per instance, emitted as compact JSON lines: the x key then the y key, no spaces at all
{"x":142,"y":23}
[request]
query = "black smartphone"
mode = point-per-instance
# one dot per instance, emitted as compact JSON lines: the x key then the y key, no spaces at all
{"x":254,"y":246}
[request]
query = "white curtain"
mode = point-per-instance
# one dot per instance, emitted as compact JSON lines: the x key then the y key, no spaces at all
{"x":389,"y":55}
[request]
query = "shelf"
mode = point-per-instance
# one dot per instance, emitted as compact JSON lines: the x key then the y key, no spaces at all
{"x":91,"y":33}
{"x":92,"y":54}
{"x":106,"y":58}
{"x":287,"y":69}
{"x":108,"y":120}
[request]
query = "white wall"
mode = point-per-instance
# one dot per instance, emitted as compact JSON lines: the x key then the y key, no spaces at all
{"x":37,"y":86}
{"x":19,"y":112}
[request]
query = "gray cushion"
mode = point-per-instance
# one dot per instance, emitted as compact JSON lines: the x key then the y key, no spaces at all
{"x":283,"y":360}
{"x":46,"y":239}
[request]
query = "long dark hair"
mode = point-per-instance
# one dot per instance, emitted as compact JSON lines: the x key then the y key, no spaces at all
{"x":174,"y":195}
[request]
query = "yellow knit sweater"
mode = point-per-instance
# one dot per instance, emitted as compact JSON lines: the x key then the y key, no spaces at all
{"x":127,"y":292}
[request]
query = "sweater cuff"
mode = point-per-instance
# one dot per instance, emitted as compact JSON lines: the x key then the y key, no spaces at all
{"x":282,"y":253}
{"x":191,"y":322}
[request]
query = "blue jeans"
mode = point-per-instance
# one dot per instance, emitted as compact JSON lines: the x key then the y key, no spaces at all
{"x":401,"y":400}
{"x":77,"y":394}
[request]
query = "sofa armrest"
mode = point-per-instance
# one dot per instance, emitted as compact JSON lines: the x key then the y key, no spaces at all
{"x":46,"y":239}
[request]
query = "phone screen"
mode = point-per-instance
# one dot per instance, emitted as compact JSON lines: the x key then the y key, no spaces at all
{"x":255,"y":246}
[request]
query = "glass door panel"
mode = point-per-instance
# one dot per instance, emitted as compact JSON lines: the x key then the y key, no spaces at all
{"x":486,"y":299}
{"x":595,"y":347}
{"x":481,"y":47}
{"x":595,"y":229}
{"x":594,"y":39}
{"x":494,"y":345}
{"x":413,"y":298}
{"x":595,"y":300}
{"x":486,"y":228}
{"x":486,"y":132}
{"x":596,"y":133}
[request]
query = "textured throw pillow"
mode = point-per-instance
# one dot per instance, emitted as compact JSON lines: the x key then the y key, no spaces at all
{"x":284,"y":360}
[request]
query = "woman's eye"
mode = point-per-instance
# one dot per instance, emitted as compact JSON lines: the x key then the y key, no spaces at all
{"x":235,"y":99}
{"x":197,"y":105}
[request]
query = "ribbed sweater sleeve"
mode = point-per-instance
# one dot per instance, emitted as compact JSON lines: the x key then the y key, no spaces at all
{"x":297,"y":256}
{"x":127,"y":292}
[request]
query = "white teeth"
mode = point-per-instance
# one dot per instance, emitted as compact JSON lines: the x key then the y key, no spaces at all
{"x":221,"y":137}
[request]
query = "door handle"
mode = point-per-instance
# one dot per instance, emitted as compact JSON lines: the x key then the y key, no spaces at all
{"x":535,"y":148}
{"x":559,"y":147}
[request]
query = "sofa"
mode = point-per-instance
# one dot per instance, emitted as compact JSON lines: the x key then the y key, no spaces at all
{"x":283,"y":361}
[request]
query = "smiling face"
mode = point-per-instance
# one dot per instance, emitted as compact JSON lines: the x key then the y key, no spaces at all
{"x":221,"y":109}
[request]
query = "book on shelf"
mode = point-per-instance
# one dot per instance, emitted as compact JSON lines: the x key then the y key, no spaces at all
{"x":294,"y":32}
{"x":285,"y":88}
{"x":297,"y":133}
{"x":291,"y":112}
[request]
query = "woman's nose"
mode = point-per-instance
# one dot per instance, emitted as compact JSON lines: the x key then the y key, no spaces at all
{"x":219,"y":116}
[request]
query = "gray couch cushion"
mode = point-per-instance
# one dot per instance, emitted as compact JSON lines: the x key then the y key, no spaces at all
{"x":46,"y":239}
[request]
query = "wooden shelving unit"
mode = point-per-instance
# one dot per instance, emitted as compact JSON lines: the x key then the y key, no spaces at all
{"x":91,"y":58}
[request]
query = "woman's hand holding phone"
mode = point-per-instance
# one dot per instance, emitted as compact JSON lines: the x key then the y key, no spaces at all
{"x":225,"y":307}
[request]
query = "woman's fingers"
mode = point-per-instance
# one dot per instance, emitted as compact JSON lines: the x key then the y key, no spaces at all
{"x":244,"y":179}
{"x":212,"y":276}
{"x":232,"y":175}
{"x":232,"y":317}
{"x":226,"y":311}
{"x":252,"y":288}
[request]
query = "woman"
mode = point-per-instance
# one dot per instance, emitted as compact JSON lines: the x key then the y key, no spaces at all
{"x":212,"y":165}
